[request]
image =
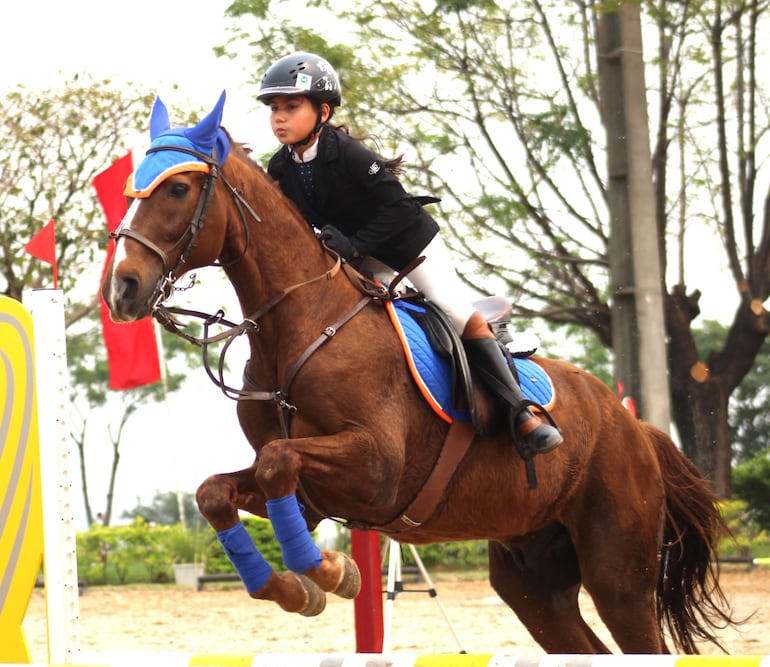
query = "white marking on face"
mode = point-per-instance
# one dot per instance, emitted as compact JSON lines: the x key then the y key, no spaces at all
{"x":120,"y":249}
{"x":125,"y":223}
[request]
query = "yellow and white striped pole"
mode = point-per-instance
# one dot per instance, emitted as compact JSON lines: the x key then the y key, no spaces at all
{"x":21,"y":511}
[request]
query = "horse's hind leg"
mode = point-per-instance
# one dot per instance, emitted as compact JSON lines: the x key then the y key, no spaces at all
{"x":538,"y":577}
{"x":219,"y":499}
{"x":622,"y":582}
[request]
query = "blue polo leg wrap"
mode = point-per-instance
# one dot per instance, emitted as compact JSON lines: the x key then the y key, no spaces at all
{"x":253,"y":569}
{"x":299,"y":552}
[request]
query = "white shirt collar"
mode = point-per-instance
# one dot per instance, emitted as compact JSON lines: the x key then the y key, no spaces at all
{"x":311,"y":152}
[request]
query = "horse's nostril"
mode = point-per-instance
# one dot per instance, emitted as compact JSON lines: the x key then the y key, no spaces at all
{"x":127,"y":288}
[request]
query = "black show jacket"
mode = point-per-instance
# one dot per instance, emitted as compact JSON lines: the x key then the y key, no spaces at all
{"x":358,"y":194}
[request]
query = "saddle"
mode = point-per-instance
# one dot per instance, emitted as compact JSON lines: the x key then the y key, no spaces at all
{"x":445,"y":363}
{"x":446,"y":344}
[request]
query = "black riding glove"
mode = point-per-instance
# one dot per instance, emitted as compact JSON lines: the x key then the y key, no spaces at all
{"x":335,"y":240}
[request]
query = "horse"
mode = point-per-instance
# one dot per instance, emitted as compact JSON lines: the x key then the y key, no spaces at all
{"x":339,"y":429}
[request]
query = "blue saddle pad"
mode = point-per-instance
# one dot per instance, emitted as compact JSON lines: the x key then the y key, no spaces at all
{"x":433,"y":371}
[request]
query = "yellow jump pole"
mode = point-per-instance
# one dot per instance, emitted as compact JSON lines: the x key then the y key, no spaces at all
{"x":21,"y":513}
{"x":35,"y":460}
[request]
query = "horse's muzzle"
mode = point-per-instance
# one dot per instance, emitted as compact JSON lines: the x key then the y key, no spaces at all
{"x":126,"y":299}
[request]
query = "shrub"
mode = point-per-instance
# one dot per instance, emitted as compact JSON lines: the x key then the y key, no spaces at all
{"x":143,"y":551}
{"x":748,"y":538}
{"x":751,"y":483}
{"x":93,"y":551}
{"x":185,"y":545}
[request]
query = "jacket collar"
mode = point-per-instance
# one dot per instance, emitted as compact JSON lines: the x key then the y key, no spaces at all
{"x":328,"y":148}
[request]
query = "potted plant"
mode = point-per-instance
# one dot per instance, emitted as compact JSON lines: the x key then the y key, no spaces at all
{"x":186,"y":548}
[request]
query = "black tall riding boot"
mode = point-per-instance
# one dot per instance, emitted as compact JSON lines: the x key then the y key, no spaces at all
{"x":535,"y":434}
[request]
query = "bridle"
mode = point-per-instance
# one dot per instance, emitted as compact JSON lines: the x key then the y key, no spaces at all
{"x":166,"y":284}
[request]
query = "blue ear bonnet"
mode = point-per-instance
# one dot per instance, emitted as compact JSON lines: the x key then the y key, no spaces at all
{"x":207,"y":137}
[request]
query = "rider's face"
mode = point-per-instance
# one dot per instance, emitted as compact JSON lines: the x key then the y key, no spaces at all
{"x":293,"y":117}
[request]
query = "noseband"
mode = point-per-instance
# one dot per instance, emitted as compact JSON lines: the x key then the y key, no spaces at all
{"x":165,"y":287}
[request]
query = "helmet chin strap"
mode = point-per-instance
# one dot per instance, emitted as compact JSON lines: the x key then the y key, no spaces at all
{"x":318,"y":125}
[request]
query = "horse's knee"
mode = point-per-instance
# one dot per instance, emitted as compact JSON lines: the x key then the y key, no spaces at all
{"x":216,"y":502}
{"x":278,"y":469}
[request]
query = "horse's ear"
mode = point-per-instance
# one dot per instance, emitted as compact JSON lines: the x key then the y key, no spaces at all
{"x":205,"y":133}
{"x":159,"y":122}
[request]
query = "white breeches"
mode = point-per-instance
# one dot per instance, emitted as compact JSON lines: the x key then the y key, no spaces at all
{"x":437,"y":279}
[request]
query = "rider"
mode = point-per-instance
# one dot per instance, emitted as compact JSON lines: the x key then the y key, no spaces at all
{"x":332,"y":177}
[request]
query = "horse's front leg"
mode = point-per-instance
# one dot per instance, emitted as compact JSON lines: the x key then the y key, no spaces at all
{"x":219,"y":499}
{"x":326,"y":461}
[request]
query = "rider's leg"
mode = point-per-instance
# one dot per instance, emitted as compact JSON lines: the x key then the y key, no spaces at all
{"x":438,"y":281}
{"x":486,"y":357}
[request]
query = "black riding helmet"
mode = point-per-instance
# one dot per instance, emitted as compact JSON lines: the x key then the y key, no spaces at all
{"x":301,"y":74}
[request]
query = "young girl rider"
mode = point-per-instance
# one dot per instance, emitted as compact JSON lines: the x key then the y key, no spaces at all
{"x":351,"y":195}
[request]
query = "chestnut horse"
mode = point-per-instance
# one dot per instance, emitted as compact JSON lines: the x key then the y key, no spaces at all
{"x":337,"y":424}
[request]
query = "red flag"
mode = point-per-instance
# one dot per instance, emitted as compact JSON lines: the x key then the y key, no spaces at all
{"x":109,"y":186}
{"x":132,"y":350}
{"x":43,"y":246}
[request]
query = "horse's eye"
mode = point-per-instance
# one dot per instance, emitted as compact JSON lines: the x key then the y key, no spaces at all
{"x":179,"y":190}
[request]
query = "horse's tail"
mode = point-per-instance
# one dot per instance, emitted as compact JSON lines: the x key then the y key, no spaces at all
{"x":691,"y":604}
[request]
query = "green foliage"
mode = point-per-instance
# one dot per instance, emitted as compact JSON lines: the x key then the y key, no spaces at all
{"x":111,"y":553}
{"x":142,"y":551}
{"x":751,"y":483}
{"x":93,"y":552}
{"x":747,"y":537}
{"x":185,"y":545}
{"x":471,"y":554}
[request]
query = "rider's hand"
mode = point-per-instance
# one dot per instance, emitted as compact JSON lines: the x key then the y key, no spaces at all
{"x":335,"y":240}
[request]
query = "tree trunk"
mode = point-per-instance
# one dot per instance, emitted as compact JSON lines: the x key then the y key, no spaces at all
{"x":701,"y":389}
{"x":700,"y":414}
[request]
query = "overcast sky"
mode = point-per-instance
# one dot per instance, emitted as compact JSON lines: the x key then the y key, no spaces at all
{"x":156,"y":44}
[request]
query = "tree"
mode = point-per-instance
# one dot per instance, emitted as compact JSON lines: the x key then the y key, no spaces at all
{"x":750,"y":411}
{"x":164,"y":509}
{"x":498,"y":107}
{"x":749,"y":408}
{"x":52,"y":144}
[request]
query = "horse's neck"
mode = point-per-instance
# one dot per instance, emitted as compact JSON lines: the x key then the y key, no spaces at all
{"x":283,"y":253}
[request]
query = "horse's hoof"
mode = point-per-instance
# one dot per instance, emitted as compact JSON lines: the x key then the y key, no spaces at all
{"x":316,"y":598}
{"x":338,"y":574}
{"x":350,"y":582}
